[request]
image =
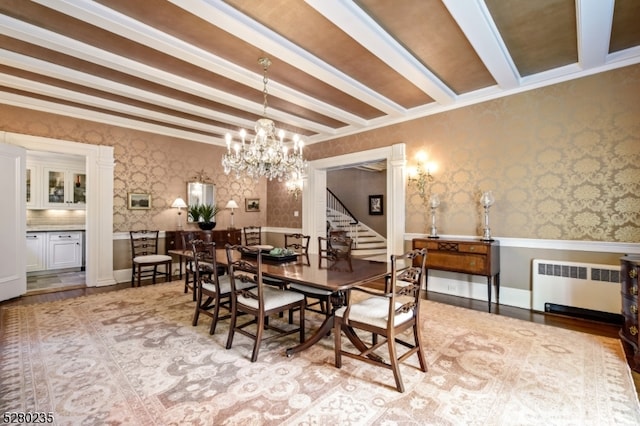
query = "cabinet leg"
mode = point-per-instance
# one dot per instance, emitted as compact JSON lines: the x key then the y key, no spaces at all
{"x":489,"y":292}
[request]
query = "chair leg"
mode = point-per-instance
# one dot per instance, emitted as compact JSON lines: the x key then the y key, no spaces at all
{"x":395,"y":367}
{"x":302,"y":330}
{"x":216,"y":312}
{"x":232,"y":323}
{"x":196,"y":314}
{"x":418,"y":340}
{"x":260,"y":324}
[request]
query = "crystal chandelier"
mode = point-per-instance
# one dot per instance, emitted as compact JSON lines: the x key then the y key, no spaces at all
{"x":265,"y":155}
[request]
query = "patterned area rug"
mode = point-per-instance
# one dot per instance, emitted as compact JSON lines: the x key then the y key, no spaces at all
{"x":132,"y":357}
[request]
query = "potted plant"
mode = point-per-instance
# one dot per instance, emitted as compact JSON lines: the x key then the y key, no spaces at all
{"x":205,"y":215}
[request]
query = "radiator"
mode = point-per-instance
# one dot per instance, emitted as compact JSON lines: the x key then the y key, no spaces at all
{"x":578,"y":285}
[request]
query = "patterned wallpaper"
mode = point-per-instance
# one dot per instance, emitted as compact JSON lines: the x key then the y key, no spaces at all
{"x":158,"y":165}
{"x":563,"y":161}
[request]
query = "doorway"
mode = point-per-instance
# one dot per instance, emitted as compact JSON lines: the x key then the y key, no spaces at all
{"x":99,"y":214}
{"x":314,"y":193}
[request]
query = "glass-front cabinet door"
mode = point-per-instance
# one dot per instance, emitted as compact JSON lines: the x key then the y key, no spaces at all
{"x":29,"y":186}
{"x":34,"y":186}
{"x":79,"y":188}
{"x":66,"y":189}
{"x":56,"y":187}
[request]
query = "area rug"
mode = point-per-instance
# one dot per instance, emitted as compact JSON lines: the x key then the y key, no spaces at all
{"x":132,"y":357}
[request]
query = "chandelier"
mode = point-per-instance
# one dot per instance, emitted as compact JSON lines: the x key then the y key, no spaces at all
{"x":265,"y":155}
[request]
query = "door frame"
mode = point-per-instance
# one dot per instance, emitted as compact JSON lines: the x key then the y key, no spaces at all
{"x":100,"y":166}
{"x":314,"y":199}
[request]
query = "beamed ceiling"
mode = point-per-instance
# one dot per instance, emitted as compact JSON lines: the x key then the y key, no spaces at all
{"x":189,"y":68}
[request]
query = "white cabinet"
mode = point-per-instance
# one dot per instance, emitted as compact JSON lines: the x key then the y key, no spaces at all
{"x":64,"y":250}
{"x":56,"y":182}
{"x":36,"y":251}
{"x":65,"y":188}
{"x":34,"y":186}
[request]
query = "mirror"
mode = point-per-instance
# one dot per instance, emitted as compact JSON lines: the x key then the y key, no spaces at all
{"x":200,"y":193}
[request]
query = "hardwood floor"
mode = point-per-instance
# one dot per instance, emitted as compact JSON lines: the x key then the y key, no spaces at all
{"x":576,"y":324}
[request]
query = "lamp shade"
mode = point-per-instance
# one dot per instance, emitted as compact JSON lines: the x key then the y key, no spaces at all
{"x":232,"y":204}
{"x":179,"y":203}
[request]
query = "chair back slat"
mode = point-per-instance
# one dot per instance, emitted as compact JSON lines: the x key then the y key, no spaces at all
{"x":144,"y":242}
{"x":252,"y":235}
{"x":405,"y":282}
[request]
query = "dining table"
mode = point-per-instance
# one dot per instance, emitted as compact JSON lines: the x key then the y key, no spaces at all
{"x":337,"y":276}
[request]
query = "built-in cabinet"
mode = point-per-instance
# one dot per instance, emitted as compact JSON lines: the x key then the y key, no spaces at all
{"x":36,"y":251}
{"x":55,"y":182}
{"x":54,"y":250}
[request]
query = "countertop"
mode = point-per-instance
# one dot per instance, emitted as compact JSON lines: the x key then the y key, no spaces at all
{"x":53,"y":228}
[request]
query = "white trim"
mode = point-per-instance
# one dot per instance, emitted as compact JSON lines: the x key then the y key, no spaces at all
{"x":596,"y":246}
{"x":99,"y":217}
{"x":314,"y":193}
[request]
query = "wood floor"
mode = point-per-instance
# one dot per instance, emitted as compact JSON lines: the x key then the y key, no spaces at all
{"x":585,"y":326}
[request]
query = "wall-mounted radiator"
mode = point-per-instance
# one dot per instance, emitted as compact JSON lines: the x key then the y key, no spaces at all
{"x":563,"y":286}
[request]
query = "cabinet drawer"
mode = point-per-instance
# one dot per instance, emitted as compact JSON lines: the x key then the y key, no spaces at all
{"x":64,"y":236}
{"x":473,"y":248}
{"x":630,"y":308}
{"x":466,"y":263}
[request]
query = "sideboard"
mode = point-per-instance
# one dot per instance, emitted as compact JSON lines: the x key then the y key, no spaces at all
{"x":467,"y":256}
{"x":174,"y":240}
{"x":630,"y":334}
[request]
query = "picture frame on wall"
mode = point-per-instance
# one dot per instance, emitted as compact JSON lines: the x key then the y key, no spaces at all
{"x":138,"y":201}
{"x":252,"y":204}
{"x":375,"y":205}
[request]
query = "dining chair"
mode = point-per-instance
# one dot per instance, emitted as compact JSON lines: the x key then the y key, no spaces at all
{"x":145,"y":258}
{"x":335,"y":249}
{"x":213,"y":290}
{"x":300,"y":243}
{"x":386,"y":313}
{"x":259,"y":302}
{"x":187,"y":238}
{"x":252,"y":235}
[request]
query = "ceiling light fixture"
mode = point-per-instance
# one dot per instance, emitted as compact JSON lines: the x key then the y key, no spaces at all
{"x":266,"y":155}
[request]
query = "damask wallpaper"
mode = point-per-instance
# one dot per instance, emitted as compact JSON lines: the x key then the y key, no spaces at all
{"x":156,"y":165}
{"x":563,"y":161}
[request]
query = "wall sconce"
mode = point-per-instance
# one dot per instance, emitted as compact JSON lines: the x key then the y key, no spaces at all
{"x":487,"y":201}
{"x":420,"y":175}
{"x":179,"y":204}
{"x":294,"y":186}
{"x":232,"y":205}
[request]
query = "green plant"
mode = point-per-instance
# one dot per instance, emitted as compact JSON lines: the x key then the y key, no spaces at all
{"x":203,"y":212}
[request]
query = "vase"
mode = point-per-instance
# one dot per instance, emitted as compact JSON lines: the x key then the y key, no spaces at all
{"x":207,"y":226}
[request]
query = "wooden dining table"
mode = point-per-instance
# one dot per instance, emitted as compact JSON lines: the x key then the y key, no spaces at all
{"x":335,"y":276}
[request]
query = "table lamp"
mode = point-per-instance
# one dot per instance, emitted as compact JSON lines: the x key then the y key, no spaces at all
{"x":179,"y":204}
{"x":232,"y":205}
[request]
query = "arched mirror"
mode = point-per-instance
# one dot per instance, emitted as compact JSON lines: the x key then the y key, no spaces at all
{"x":200,"y":193}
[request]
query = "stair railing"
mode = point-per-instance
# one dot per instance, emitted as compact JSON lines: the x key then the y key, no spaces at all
{"x":334,"y":203}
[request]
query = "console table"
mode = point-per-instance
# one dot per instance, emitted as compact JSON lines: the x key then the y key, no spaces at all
{"x":473,"y":257}
{"x":173,"y":239}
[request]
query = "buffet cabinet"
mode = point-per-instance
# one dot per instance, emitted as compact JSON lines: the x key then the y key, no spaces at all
{"x":629,"y":271}
{"x":174,"y":240}
{"x":473,"y":257}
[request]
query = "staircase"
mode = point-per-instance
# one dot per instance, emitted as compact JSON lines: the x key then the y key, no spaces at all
{"x":366,"y":242}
